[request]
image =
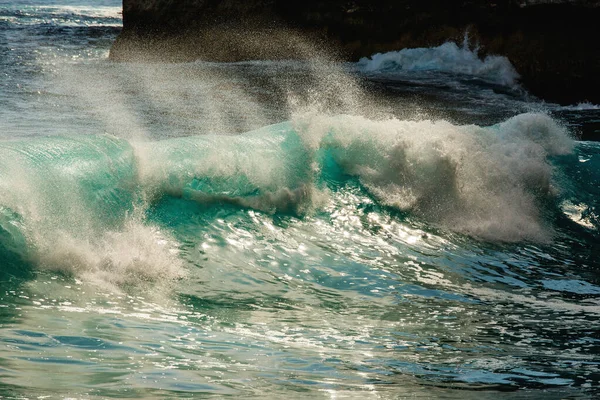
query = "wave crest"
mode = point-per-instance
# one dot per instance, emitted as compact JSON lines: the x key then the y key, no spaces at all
{"x":486,"y":182}
{"x":80,"y":205}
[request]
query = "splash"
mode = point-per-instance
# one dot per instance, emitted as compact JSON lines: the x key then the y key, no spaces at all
{"x":72,"y":205}
{"x":449,"y":58}
{"x":486,"y":182}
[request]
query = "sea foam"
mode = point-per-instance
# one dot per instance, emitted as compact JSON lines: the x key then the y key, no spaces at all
{"x":584,"y":106}
{"x":449,"y":57}
{"x":486,"y":182}
{"x":74,"y":205}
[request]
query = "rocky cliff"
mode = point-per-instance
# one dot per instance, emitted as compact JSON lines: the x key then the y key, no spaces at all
{"x":554,"y":45}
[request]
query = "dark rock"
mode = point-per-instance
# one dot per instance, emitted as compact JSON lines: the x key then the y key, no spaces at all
{"x":553,"y":44}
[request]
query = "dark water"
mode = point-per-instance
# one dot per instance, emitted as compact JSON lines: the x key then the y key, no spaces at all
{"x":413,"y":225}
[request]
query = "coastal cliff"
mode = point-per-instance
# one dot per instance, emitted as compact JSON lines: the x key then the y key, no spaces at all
{"x":553,"y":44}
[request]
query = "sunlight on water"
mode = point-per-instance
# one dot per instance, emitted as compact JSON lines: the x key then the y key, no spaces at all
{"x":407,"y":226}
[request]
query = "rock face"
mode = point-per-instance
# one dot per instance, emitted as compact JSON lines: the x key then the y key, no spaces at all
{"x":555,"y":45}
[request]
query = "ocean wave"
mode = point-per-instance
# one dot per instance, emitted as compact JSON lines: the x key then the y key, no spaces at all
{"x":485,"y":182}
{"x":584,"y":106}
{"x":449,"y":58}
{"x":79,"y":204}
{"x":65,"y":16}
{"x":70,"y":205}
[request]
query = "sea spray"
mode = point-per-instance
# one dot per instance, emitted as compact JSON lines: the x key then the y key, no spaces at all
{"x":268,"y":169}
{"x":486,"y":182}
{"x":457,"y":177}
{"x":70,"y":204}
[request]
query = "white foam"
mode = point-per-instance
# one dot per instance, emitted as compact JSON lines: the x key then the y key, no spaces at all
{"x":577,"y":214}
{"x":584,"y":106}
{"x":448,"y":57}
{"x":73,"y":12}
{"x":73,"y":16}
{"x":136,"y":255}
{"x":47,"y":183}
{"x":485,"y":182}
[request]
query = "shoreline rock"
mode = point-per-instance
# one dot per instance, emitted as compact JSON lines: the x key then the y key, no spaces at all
{"x":554,"y":45}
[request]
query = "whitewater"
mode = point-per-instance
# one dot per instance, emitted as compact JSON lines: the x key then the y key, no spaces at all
{"x":415,"y":224}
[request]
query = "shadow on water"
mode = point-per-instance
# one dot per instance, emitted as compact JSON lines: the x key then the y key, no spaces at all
{"x":15,"y":270}
{"x":14,"y":273}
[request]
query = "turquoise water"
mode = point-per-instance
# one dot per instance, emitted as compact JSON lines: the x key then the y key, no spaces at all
{"x":298,"y":229}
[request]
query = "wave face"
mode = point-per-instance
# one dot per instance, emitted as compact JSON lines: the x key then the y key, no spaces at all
{"x":69,"y":204}
{"x":81,"y":204}
{"x":449,"y":58}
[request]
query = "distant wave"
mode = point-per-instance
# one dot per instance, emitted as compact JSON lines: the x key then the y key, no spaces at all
{"x":584,"y":106}
{"x":63,"y":15}
{"x":449,"y":57}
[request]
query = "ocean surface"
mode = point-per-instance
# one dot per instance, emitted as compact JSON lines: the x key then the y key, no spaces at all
{"x":414,"y":225}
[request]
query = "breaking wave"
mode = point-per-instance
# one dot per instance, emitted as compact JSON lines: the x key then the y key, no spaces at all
{"x":80,"y":204}
{"x":449,"y":58}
